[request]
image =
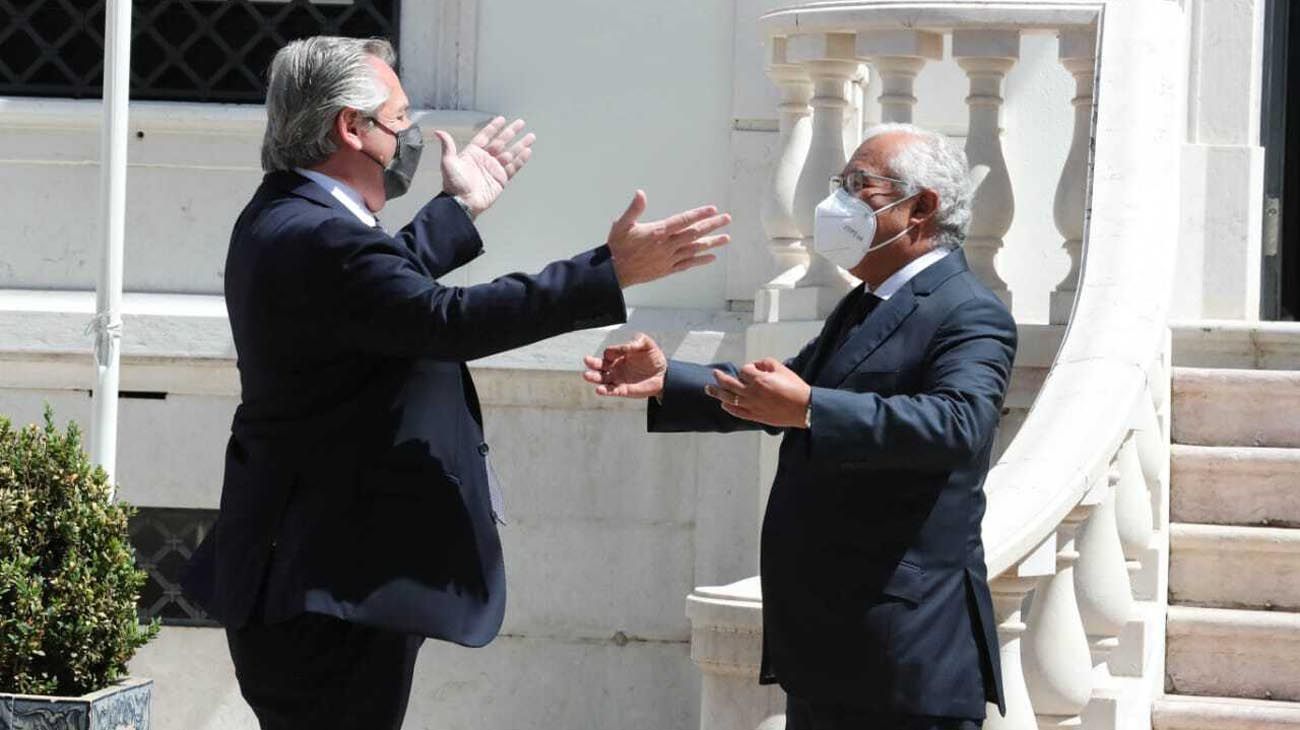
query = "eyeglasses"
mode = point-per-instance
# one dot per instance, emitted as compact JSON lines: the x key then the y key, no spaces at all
{"x":856,"y":180}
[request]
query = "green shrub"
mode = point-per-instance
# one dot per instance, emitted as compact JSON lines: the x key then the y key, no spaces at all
{"x":68,"y":579}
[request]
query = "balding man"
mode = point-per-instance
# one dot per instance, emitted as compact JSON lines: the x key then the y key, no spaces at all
{"x":358,"y":514}
{"x":876,"y":606}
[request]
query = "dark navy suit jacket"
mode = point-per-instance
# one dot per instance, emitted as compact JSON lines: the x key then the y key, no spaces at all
{"x":355,"y":482}
{"x":875,"y":592}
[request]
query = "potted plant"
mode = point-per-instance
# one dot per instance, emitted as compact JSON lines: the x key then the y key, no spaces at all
{"x":68,"y":589}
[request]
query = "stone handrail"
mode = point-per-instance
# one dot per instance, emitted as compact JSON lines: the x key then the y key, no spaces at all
{"x":1076,"y":504}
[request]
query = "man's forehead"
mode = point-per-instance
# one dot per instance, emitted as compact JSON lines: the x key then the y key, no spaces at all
{"x":875,"y":154}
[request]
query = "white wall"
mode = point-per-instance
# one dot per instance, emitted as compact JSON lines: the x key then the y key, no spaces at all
{"x":1222,"y":189}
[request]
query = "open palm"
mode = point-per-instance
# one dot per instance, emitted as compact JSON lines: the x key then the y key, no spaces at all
{"x":478,"y":173}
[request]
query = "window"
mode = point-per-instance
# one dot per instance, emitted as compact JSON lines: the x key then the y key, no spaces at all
{"x":164,"y":540}
{"x":181,"y":50}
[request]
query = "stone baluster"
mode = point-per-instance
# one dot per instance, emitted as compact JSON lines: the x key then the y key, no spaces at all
{"x":830,"y":62}
{"x":1009,"y":591}
{"x":1078,"y":50}
{"x":785,"y":240}
{"x":898,"y":56}
{"x":1055,"y":651}
{"x":1149,"y":482}
{"x":987,"y":56}
{"x":853,"y":118}
{"x":1101,"y":580}
{"x":1133,"y":504}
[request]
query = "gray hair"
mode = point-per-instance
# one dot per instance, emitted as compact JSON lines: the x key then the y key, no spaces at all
{"x":930,"y":160}
{"x":311,"y":81}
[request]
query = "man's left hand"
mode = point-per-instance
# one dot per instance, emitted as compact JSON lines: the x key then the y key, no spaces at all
{"x":477,"y":174}
{"x":767,"y":392}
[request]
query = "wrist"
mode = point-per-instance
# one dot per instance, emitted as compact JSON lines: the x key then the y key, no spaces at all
{"x":469,"y":210}
{"x":624,"y":277}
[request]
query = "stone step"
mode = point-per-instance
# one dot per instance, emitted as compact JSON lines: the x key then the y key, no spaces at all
{"x":1214,"y":407}
{"x":1234,"y":567}
{"x":1177,"y":712}
{"x":1235,"y":485}
{"x":1233,"y":653}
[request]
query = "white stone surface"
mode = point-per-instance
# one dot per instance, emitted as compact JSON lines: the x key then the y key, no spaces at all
{"x":1235,"y":567}
{"x":1236,"y":486}
{"x":1219,"y":238}
{"x":515,"y":683}
{"x":1224,"y":713}
{"x":613,"y":111}
{"x":1226,"y":652}
{"x":1236,"y":344}
{"x":194,"y":681}
{"x":1236,"y":407}
{"x":518,"y":683}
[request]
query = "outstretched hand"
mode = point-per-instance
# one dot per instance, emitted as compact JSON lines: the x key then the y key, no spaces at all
{"x":643,"y":252}
{"x":478,"y":173}
{"x":632,"y":370}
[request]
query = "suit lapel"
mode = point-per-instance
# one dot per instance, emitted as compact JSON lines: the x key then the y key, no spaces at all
{"x":871,"y":334}
{"x":824,"y":344}
{"x":887,"y":318}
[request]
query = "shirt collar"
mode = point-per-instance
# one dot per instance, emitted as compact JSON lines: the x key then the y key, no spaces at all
{"x":889,"y":287}
{"x":342,"y":192}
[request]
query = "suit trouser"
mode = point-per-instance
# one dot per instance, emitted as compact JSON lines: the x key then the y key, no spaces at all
{"x":804,"y":715}
{"x":322,"y":673}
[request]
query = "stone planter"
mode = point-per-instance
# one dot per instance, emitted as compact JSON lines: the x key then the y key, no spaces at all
{"x":123,"y":705}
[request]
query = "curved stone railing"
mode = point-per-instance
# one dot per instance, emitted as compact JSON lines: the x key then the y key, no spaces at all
{"x":1077,"y":515}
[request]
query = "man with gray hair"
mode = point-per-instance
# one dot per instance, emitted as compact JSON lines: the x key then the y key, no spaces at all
{"x":359,"y":512}
{"x":876,"y":606}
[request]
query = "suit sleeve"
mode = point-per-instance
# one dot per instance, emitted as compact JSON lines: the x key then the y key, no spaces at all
{"x":381,"y":302}
{"x":441,"y":236}
{"x":684,"y":406}
{"x":943,"y":426}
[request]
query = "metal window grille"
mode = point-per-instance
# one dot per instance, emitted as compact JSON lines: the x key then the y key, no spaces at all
{"x":164,"y":540}
{"x":181,"y":50}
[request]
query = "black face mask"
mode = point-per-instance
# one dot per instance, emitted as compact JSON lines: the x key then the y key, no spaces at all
{"x":400,"y":170}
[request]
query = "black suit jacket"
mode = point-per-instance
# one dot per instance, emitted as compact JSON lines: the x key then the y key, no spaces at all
{"x":355,"y":481}
{"x":875,"y":592}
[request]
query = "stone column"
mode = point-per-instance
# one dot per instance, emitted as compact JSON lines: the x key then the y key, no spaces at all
{"x":987,"y":56}
{"x":1133,"y":504}
{"x":1078,"y":55}
{"x":830,"y":63}
{"x":898,"y":56}
{"x":1101,"y":580}
{"x":1056,"y":655}
{"x":785,"y":240}
{"x":727,"y":646}
{"x":1009,"y":591}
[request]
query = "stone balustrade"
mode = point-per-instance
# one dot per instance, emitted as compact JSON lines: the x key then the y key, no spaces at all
{"x":1076,"y":528}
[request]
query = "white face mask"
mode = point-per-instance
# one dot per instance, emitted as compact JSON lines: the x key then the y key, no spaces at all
{"x":844,"y":227}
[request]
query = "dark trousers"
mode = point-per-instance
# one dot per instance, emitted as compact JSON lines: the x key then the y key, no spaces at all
{"x":804,"y":715}
{"x":323,"y":673}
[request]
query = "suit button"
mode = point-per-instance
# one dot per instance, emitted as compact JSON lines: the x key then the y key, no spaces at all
{"x":483,"y":449}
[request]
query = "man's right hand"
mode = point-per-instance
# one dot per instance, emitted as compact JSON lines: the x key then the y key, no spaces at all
{"x":644,"y":252}
{"x":632,"y":370}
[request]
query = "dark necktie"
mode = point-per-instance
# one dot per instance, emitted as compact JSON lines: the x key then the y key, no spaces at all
{"x":857,"y":305}
{"x":856,"y":311}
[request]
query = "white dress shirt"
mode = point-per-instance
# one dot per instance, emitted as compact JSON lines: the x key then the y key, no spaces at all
{"x":889,"y":287}
{"x":343,"y":193}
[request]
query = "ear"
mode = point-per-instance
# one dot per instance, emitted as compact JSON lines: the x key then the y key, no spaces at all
{"x":348,"y":126}
{"x":925,"y":207}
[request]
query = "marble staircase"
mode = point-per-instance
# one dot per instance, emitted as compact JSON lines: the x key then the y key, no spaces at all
{"x":1233,"y":629}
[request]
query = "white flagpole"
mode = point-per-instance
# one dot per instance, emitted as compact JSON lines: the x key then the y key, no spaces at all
{"x":107,"y":324}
